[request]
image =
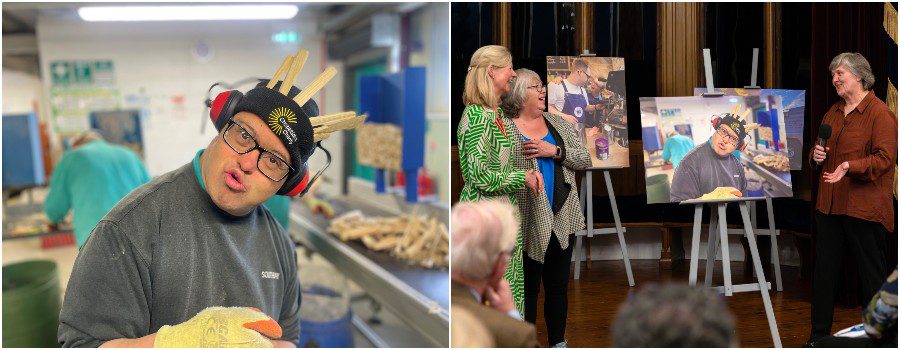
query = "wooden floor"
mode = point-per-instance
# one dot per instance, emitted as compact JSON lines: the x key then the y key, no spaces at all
{"x":594,"y":299}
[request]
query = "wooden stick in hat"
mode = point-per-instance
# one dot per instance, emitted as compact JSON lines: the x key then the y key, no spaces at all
{"x":296,"y":66}
{"x":320,"y":136}
{"x":344,"y":124}
{"x":744,"y":115}
{"x":315,"y":86}
{"x":280,"y":72}
{"x":331,"y":118}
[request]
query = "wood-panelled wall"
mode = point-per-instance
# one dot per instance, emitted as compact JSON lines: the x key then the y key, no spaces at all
{"x":771,"y":55}
{"x":584,"y":27}
{"x":679,"y":54}
{"x":503,"y":24}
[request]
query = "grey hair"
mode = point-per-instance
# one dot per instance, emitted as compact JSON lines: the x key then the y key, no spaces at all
{"x":674,"y":315}
{"x":513,"y":101}
{"x":856,"y":64}
{"x":87,"y":136}
{"x":480,"y":232}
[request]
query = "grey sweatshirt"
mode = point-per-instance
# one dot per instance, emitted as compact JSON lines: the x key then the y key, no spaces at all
{"x":164,"y":253}
{"x":702,"y":170}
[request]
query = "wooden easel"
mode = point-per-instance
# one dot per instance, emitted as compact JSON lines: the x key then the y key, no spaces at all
{"x":718,"y":240}
{"x":586,"y":199}
{"x":718,"y":235}
{"x":772,"y":232}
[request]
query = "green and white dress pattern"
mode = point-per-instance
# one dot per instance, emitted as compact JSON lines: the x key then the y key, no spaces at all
{"x":489,"y":174}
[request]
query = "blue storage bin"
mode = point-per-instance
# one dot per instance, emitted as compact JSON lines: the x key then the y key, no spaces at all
{"x":23,"y":158}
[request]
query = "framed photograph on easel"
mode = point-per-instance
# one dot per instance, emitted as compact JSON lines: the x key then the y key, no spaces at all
{"x":589,"y":93}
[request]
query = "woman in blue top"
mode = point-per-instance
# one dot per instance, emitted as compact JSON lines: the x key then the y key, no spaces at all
{"x":548,"y":144}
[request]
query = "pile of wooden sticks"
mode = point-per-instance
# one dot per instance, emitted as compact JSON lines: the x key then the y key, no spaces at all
{"x":418,"y":240}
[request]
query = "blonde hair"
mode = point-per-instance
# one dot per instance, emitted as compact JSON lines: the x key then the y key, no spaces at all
{"x":480,"y":231}
{"x":479,"y":85}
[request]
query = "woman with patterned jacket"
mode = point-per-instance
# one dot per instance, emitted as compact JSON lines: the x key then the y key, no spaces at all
{"x":484,"y":149}
{"x":546,"y":143}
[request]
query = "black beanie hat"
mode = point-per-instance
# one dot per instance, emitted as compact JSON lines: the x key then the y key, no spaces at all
{"x":736,"y":125}
{"x":289,"y":121}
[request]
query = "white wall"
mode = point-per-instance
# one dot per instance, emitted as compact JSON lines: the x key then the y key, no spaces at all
{"x":21,"y":92}
{"x":153,"y":64}
{"x":430,"y":27}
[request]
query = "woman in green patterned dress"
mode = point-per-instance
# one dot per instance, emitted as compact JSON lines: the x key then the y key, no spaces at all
{"x":484,"y":147}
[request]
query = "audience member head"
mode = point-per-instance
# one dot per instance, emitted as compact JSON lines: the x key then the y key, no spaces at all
{"x":482,"y":237}
{"x":674,"y":315}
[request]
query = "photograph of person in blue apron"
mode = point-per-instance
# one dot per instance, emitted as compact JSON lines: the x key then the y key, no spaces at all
{"x":581,"y":90}
{"x":569,"y":98}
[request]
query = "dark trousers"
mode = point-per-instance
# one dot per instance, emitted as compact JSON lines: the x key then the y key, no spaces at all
{"x":555,"y":274}
{"x":866,"y":242}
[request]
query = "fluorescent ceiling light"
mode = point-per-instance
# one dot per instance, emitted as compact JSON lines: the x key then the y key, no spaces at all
{"x":187,"y":13}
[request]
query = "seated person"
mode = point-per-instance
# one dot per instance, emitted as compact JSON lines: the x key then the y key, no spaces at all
{"x":466,"y":331}
{"x":482,"y":238}
{"x":880,"y":317}
{"x":674,"y":316}
{"x":879,"y":322}
{"x":712,"y":164}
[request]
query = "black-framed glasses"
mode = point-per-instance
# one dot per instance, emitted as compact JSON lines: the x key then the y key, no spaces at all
{"x":268,"y":163}
{"x":722,"y":132}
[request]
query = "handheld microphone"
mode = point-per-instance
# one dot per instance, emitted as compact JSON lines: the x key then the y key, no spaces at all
{"x":824,"y":135}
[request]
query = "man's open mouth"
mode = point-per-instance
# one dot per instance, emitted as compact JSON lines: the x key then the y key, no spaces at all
{"x":233,"y":180}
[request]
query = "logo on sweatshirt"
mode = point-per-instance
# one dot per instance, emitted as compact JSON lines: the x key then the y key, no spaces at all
{"x":270,"y":275}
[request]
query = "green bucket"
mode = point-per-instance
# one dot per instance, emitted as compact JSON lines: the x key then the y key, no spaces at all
{"x":658,"y":188}
{"x":30,"y":304}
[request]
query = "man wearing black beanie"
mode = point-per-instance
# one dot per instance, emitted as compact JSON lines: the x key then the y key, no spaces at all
{"x":712,"y":164}
{"x":192,"y":259}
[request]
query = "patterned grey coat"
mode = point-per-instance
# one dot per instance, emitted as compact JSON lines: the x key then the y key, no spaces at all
{"x":540,"y":219}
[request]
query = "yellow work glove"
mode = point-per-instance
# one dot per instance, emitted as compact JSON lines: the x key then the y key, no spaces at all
{"x":221,"y":327}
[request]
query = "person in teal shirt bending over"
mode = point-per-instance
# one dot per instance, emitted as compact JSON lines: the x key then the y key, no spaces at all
{"x":90,"y":179}
{"x":676,"y":146}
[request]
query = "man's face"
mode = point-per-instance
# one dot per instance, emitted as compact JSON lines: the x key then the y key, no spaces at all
{"x":582,"y":76}
{"x":724,"y":140}
{"x":234,"y":181}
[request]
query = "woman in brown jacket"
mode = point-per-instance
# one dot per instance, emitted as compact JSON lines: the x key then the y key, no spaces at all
{"x":854,"y":208}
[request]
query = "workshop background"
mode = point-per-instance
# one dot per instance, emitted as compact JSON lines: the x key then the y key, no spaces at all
{"x":144,"y":83}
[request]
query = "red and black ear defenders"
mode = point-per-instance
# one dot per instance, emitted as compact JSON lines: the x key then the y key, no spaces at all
{"x":717,"y":120}
{"x":222,"y":109}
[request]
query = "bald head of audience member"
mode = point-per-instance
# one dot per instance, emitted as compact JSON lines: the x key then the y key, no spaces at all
{"x":482,"y":238}
{"x":674,"y":315}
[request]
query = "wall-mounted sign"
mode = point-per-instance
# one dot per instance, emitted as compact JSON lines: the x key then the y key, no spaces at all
{"x":78,"y":88}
